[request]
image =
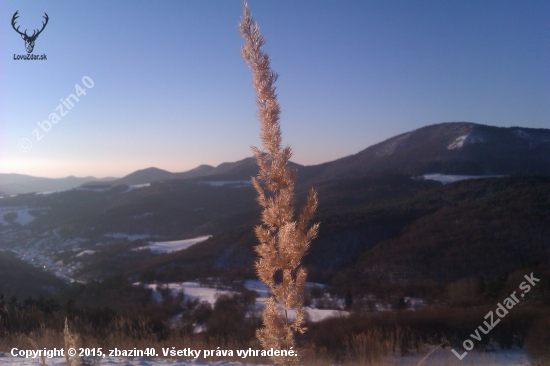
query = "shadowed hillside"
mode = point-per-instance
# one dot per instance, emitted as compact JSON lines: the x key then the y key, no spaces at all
{"x":483,"y":227}
{"x":20,"y":278}
{"x":448,"y":148}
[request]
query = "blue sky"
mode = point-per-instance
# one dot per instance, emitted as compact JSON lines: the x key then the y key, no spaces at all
{"x":171,"y":90}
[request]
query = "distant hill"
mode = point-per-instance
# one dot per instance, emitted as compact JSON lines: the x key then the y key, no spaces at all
{"x":447,"y":148}
{"x":19,"y":183}
{"x":457,"y":148}
{"x":142,"y":176}
{"x":153,"y":174}
{"x":239,"y":170}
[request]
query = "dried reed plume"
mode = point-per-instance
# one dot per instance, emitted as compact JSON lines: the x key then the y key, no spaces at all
{"x":70,"y":342}
{"x":41,"y":358}
{"x":284,"y":240}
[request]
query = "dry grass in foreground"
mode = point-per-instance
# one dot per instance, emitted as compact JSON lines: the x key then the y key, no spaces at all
{"x":373,"y":347}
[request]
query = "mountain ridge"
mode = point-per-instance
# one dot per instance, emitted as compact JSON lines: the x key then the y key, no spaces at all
{"x":463,"y":148}
{"x":459,"y":148}
{"x":14,"y":183}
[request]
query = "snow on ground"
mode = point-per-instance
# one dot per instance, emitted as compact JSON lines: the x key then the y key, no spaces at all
{"x":23,"y":215}
{"x":194,"y":290}
{"x":229,"y":183}
{"x":258,"y":286}
{"x":94,"y":189}
{"x":130,"y":237}
{"x":135,"y":186}
{"x":172,"y":246}
{"x":7,"y":360}
{"x":316,"y":315}
{"x":445,"y":357}
{"x":443,"y":178}
{"x":438,"y":358}
{"x":86,"y":252}
{"x":191,"y":290}
{"x":459,"y":141}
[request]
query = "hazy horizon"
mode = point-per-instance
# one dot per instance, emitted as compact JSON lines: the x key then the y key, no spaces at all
{"x":170,"y":89}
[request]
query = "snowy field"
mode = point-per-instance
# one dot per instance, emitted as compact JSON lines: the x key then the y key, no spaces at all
{"x":194,"y":290}
{"x":8,"y":360}
{"x":23,"y":215}
{"x":191,"y":290}
{"x":438,"y":358}
{"x":86,"y":252}
{"x":136,"y":186}
{"x":162,"y":247}
{"x":129,"y":237}
{"x":445,"y":357}
{"x":469,"y":138}
{"x":443,"y":178}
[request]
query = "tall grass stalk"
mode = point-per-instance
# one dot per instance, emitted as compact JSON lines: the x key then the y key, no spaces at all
{"x":283,"y":238}
{"x":70,"y":340}
{"x":41,"y":359}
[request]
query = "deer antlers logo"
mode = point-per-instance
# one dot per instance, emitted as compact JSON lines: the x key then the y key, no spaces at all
{"x":29,"y":40}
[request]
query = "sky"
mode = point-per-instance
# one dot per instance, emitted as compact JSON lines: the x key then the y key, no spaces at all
{"x":165,"y":84}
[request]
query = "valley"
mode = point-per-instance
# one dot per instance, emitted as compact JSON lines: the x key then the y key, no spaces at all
{"x":421,"y":238}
